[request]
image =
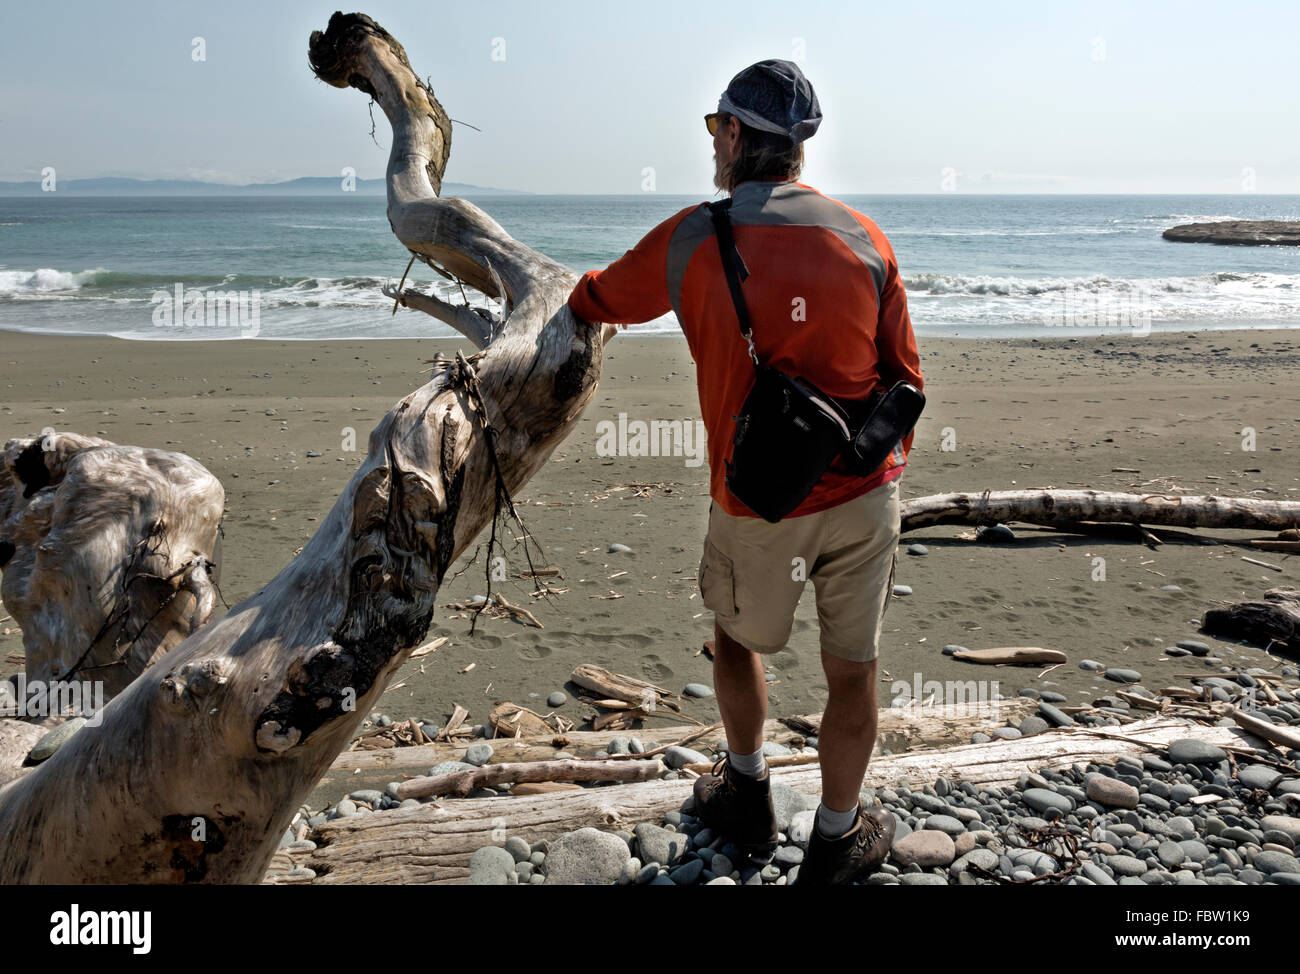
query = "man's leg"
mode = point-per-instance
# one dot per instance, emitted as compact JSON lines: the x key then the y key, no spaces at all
{"x":741,"y":693}
{"x":848,"y":732}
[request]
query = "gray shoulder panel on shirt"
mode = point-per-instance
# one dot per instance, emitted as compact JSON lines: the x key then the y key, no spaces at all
{"x":775,"y":204}
{"x":696,"y":227}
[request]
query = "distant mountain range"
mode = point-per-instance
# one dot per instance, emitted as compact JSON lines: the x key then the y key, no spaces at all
{"x":304,"y":186}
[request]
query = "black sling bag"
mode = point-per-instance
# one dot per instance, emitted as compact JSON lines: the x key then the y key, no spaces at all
{"x":789,"y":431}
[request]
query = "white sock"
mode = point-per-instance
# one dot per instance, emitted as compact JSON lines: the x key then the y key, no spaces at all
{"x":832,"y":824}
{"x":751,"y":765}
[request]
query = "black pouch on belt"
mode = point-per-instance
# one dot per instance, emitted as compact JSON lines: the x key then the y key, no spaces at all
{"x":891,"y":417}
{"x":788,"y":431}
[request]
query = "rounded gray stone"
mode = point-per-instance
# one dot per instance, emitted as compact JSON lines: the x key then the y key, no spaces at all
{"x":1041,"y":799}
{"x":478,"y":754}
{"x":699,"y":690}
{"x":1188,"y":750}
{"x":557,"y":699}
{"x":586,"y":857}
{"x":1126,"y":865}
{"x":491,"y":866}
{"x":657,"y":844}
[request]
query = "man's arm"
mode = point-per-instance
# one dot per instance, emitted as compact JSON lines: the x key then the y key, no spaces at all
{"x":634,"y":288}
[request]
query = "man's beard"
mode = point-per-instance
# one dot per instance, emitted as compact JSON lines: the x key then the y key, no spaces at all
{"x":717,"y":173}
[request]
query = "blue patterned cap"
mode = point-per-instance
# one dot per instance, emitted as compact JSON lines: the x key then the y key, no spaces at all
{"x":774,"y":96}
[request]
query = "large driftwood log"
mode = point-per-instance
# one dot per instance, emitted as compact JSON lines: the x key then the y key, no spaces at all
{"x":108,"y":553}
{"x":434,"y":842}
{"x":224,"y":737}
{"x":897,"y":729}
{"x":1273,"y":623}
{"x":1065,"y":508}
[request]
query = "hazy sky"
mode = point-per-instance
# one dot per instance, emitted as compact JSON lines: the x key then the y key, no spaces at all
{"x":1000,"y":97}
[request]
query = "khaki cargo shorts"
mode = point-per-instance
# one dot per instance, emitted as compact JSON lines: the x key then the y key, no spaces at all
{"x":753,"y":573}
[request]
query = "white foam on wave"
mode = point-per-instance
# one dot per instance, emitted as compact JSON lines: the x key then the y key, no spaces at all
{"x":45,"y":280}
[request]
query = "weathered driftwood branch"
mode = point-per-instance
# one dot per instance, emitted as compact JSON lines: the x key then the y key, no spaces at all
{"x":898,"y":728}
{"x":1273,"y":623}
{"x":108,"y":554}
{"x":434,"y":842}
{"x":1064,"y":508}
{"x":1266,"y":730}
{"x":199,"y":764}
{"x":1011,"y":655}
{"x":461,"y":783}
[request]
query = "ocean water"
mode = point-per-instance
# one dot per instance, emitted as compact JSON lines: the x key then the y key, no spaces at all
{"x":974,"y":266}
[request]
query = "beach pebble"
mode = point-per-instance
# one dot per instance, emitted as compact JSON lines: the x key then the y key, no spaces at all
{"x":1126,"y":865}
{"x":678,"y":756}
{"x":1032,"y":725}
{"x":659,"y":845}
{"x":1090,"y":664}
{"x":995,"y":533}
{"x":1110,"y":792}
{"x":1042,"y":800}
{"x":1006,"y":733}
{"x":902,"y":590}
{"x":557,"y":699}
{"x":1282,"y":823}
{"x":617,"y":548}
{"x":1054,"y":716}
{"x":631,"y":869}
{"x":700,"y":690}
{"x":586,"y":857}
{"x":954,"y":648}
{"x":1259,"y":776}
{"x":1276,"y":862}
{"x":927,"y":848}
{"x":1124,"y":676}
{"x":491,"y":866}
{"x":55,"y":739}
{"x":1191,"y":751}
{"x":519,"y":850}
{"x":945,"y":823}
{"x":1194,"y":646}
{"x":917,"y":549}
{"x":687,"y":872}
{"x":449,"y":767}
{"x":478,"y":754}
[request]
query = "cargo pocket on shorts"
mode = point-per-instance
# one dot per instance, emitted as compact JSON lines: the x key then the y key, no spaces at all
{"x":717,"y":581}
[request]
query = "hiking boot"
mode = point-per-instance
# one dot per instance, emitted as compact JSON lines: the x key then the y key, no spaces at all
{"x":832,"y":862}
{"x":737,"y":806}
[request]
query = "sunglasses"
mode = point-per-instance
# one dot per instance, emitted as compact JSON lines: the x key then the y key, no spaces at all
{"x":712,"y":121}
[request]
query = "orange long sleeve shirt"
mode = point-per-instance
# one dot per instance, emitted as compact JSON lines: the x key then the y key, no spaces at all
{"x":825,"y":302}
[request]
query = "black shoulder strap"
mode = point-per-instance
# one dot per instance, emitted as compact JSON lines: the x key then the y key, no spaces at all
{"x":733,"y":265}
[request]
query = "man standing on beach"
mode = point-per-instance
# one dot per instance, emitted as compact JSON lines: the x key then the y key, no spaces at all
{"x":827,"y":304}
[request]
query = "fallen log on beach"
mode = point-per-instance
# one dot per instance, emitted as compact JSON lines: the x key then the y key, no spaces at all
{"x":433,"y":843}
{"x":1064,"y":508}
{"x":898,"y":729}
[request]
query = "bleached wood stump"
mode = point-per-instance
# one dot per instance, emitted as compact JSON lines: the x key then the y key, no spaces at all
{"x":108,"y":554}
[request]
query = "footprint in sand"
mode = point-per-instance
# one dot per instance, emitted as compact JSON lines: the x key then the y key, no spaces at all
{"x":533,"y":652}
{"x":655,"y":669}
